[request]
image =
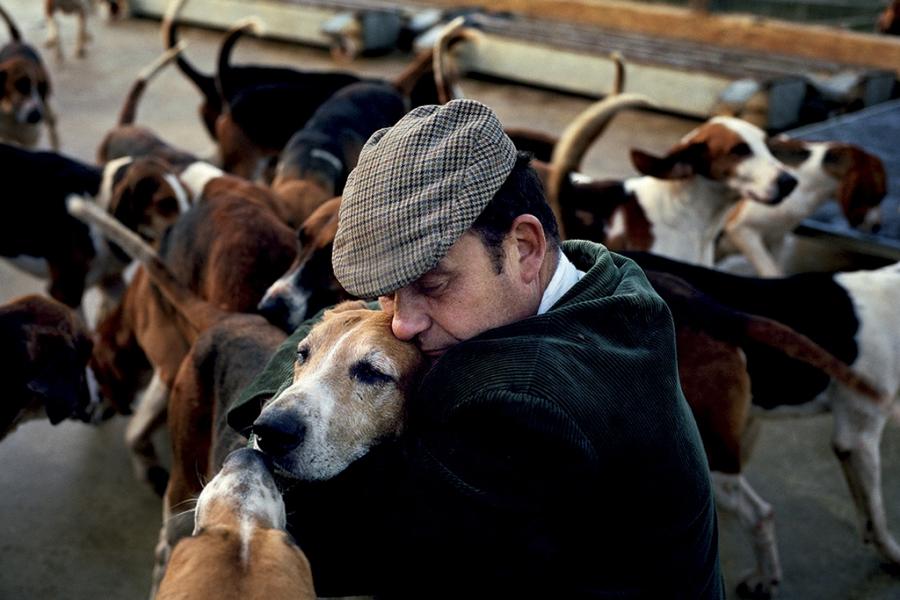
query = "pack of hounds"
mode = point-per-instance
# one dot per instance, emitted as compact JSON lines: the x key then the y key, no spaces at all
{"x":193,"y":326}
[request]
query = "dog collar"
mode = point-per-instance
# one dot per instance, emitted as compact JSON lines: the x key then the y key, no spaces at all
{"x":328,"y":157}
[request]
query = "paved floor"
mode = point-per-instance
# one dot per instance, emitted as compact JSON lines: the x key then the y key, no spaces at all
{"x":74,"y":524}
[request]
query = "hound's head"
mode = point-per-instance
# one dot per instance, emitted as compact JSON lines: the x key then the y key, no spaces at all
{"x":239,"y":540}
{"x":56,"y":347}
{"x":309,"y":284}
{"x":242,"y":490}
{"x":144,"y":194}
{"x":24,"y":87}
{"x":726,"y":150}
{"x":854,"y":177}
{"x":350,"y":380}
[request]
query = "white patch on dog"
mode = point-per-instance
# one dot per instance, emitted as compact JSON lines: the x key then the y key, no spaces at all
{"x":757,"y":175}
{"x":104,"y":195}
{"x":296,"y":298}
{"x":197,"y":175}
{"x":181,"y":194}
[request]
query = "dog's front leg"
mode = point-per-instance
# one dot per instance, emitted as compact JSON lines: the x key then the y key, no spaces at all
{"x":857,"y":439}
{"x":50,"y":117}
{"x":83,"y":35}
{"x":149,"y":416}
{"x":733,"y":493}
{"x":750,"y":243}
{"x":52,"y":40}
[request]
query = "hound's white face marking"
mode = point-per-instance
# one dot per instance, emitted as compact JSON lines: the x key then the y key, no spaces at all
{"x":242,"y":496}
{"x":350,"y":381}
{"x":739,"y":158}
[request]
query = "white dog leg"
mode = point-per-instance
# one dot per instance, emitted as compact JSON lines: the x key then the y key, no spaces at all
{"x":751,"y":245}
{"x":83,"y":35}
{"x":857,"y":438}
{"x":149,"y":416}
{"x":734,"y":494}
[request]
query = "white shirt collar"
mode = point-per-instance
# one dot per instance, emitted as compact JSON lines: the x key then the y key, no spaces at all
{"x":565,"y":276}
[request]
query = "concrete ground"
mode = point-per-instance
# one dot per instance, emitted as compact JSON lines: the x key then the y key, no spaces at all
{"x":74,"y":524}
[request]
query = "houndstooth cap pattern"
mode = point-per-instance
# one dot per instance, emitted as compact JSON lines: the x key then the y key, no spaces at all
{"x":418,"y":186}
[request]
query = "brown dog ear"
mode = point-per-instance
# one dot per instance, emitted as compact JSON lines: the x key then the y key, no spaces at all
{"x":345,"y":306}
{"x":862,"y":181}
{"x":143,"y":201}
{"x":681,"y":162}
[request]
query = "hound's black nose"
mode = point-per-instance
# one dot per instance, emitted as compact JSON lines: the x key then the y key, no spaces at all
{"x":33,"y":116}
{"x":786,"y":185}
{"x":276,"y":311}
{"x":278,"y":432}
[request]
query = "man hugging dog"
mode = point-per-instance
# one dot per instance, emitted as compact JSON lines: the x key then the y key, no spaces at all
{"x":547,"y":450}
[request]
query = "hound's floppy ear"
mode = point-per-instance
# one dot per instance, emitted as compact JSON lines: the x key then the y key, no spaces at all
{"x":682,"y":161}
{"x":55,"y":388}
{"x":345,"y":306}
{"x":138,"y":202}
{"x":862,"y":182}
{"x":3,"y":77}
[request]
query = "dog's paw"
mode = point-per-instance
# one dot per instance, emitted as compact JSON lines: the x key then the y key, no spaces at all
{"x":757,"y":587}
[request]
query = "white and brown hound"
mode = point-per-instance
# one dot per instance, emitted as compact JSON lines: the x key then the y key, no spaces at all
{"x":81,"y":9}
{"x":24,"y":92}
{"x":824,"y":170}
{"x":679,"y":205}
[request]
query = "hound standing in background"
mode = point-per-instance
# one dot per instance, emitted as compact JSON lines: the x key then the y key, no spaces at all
{"x":678,"y":207}
{"x":80,"y":8}
{"x":824,"y":170}
{"x":24,"y":92}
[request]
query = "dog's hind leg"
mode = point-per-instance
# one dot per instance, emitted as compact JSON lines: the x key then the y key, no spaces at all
{"x":733,"y":493}
{"x":149,"y":416}
{"x":857,"y":439}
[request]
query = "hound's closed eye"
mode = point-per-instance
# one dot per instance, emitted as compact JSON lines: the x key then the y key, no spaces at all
{"x":366,"y":373}
{"x":302,"y":354}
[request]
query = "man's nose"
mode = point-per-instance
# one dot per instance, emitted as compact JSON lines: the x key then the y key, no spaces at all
{"x":408,"y":320}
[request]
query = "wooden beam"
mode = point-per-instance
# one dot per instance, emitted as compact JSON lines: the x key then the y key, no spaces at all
{"x":692,"y":93}
{"x":730,"y":31}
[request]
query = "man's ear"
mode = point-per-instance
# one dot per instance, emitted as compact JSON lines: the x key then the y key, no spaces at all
{"x":530,"y":244}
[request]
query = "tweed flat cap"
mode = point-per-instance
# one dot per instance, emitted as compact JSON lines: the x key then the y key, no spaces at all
{"x":418,"y":186}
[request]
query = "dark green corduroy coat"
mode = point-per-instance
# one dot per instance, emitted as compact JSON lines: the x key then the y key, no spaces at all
{"x":554,"y":457}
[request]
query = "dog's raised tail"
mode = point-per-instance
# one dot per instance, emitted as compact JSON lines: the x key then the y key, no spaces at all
{"x":205,"y":83}
{"x":578,"y":137}
{"x":446,"y":73}
{"x":128,"y":114}
{"x":14,"y":33}
{"x":198,"y":312}
{"x":252,"y":25}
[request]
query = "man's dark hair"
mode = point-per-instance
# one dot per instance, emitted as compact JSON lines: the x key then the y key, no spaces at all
{"x":521,"y":194}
